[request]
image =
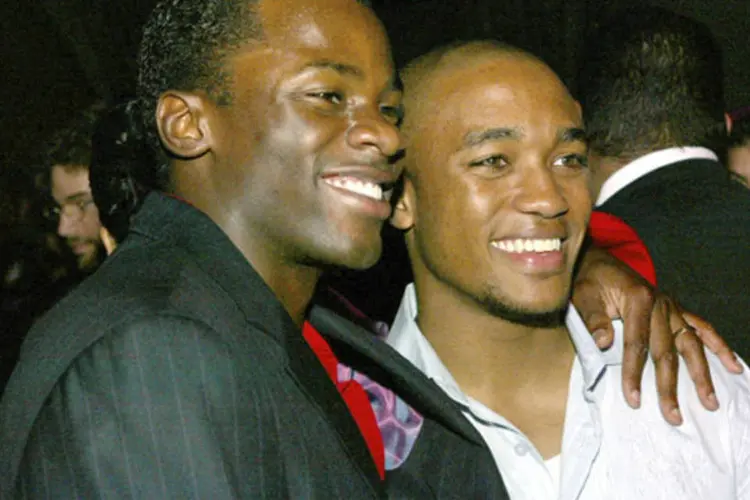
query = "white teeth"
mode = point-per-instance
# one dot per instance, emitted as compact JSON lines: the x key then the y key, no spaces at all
{"x":523,"y":246}
{"x":358,"y":186}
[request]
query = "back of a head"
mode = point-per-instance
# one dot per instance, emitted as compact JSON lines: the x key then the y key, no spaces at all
{"x":121,"y":168}
{"x":651,"y":79}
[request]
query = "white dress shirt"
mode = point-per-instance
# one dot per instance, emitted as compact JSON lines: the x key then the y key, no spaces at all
{"x":648,"y":163}
{"x":609,"y":451}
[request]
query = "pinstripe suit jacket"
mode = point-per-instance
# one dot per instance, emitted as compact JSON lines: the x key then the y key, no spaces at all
{"x":174,"y":372}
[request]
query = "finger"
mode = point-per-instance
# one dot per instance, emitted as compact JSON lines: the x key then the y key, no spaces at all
{"x":588,"y":301}
{"x":714,"y":342}
{"x":664,"y":355}
{"x":636,"y":329}
{"x":601,"y":329}
{"x":691,"y":349}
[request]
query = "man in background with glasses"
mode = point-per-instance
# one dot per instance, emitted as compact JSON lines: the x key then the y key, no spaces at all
{"x":72,"y":206}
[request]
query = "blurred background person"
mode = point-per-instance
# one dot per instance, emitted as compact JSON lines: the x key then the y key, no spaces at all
{"x":66,"y":179}
{"x":738,"y":153}
{"x":35,"y":268}
{"x":652,"y":97}
{"x":50,"y":232}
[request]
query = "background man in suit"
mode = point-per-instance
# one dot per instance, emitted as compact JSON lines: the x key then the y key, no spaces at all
{"x":190,"y":376}
{"x":494,"y":212}
{"x":651,"y":90}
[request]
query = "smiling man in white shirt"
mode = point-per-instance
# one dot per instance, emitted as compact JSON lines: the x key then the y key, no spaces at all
{"x":494,"y":210}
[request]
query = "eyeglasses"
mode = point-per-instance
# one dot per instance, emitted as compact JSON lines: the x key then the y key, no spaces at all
{"x":74,"y":210}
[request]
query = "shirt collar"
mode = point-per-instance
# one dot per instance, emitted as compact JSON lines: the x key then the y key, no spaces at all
{"x":406,"y":338}
{"x":648,"y":163}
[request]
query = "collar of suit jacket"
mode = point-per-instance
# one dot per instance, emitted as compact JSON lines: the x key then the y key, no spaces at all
{"x":177,"y":223}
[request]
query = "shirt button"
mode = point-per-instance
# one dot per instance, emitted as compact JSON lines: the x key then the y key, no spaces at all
{"x":521,"y":449}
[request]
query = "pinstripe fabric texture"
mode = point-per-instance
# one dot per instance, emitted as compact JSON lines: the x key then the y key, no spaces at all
{"x":173,"y":372}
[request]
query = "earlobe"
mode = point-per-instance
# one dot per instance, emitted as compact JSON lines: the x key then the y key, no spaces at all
{"x":403,"y":214}
{"x":182,"y":121}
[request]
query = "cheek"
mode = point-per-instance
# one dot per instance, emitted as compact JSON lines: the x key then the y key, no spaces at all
{"x":92,"y":224}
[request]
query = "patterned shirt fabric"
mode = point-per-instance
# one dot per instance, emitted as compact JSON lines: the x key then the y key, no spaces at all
{"x":399,"y":423}
{"x":608,"y":449}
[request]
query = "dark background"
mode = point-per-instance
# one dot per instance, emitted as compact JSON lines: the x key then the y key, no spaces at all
{"x":60,"y":55}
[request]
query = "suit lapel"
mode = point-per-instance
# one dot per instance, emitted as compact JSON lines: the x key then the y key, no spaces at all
{"x":214,"y":253}
{"x":365,"y":353}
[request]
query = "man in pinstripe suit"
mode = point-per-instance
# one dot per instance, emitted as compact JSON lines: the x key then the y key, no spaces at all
{"x":178,"y":370}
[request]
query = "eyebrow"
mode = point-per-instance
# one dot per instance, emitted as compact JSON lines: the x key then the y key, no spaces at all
{"x":348,"y":69}
{"x":477,"y":137}
{"x":573,"y":134}
{"x":344,"y":69}
{"x":77,"y":196}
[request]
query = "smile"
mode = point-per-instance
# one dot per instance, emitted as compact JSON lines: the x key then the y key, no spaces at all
{"x":528,"y":245}
{"x":357,"y":186}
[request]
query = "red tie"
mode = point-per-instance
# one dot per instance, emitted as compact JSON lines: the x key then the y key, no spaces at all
{"x":615,"y":236}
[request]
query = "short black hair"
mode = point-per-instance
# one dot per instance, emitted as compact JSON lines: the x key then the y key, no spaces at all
{"x":652,"y":79}
{"x":184,"y":46}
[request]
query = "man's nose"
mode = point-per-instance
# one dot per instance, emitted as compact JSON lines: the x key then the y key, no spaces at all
{"x":66,"y":225}
{"x":373,"y":130}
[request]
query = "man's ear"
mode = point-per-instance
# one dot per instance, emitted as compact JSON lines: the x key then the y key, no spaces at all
{"x":728,"y":123}
{"x":403,"y":216}
{"x":182,"y":121}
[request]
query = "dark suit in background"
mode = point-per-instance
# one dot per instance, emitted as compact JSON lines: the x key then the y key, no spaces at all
{"x":695,"y":223}
{"x":174,"y":372}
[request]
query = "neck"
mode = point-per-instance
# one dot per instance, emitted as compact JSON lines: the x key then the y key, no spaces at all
{"x":493,"y":360}
{"x":292,"y":283}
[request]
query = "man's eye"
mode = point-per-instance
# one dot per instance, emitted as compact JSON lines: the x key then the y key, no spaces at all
{"x":332,"y":97}
{"x":494,"y":161}
{"x":83,"y":204}
{"x":573,"y":161}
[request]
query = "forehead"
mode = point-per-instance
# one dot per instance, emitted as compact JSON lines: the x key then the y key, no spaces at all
{"x":499,"y":91}
{"x":334,"y":30}
{"x":69,"y":180}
